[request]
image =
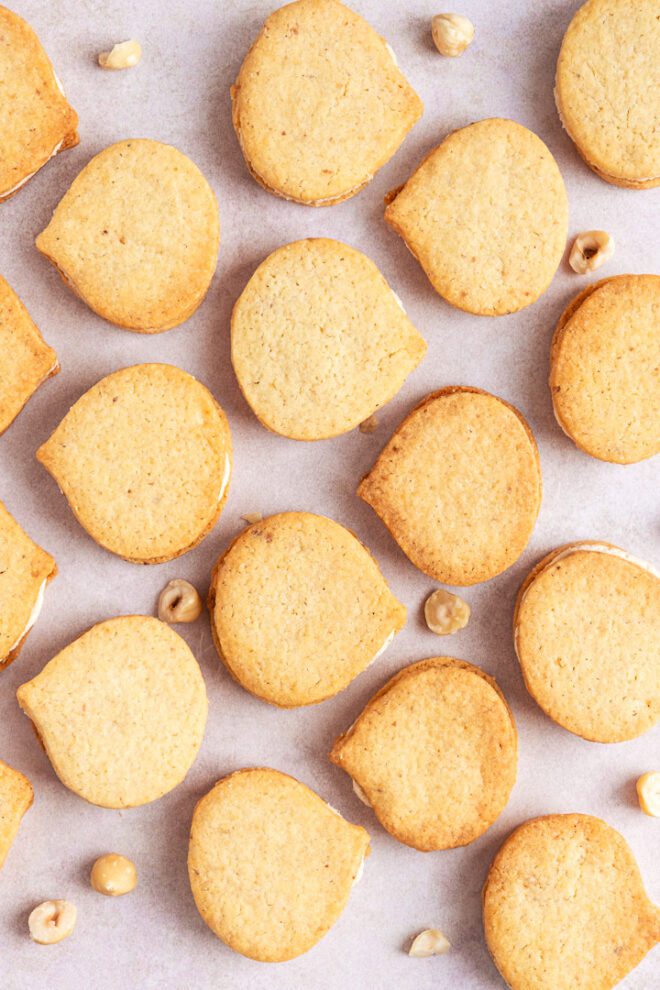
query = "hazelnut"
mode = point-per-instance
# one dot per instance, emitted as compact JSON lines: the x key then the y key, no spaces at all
{"x":113,"y":875}
{"x":52,"y":921}
{"x":369,"y":425}
{"x":648,"y":792}
{"x":445,"y":613}
{"x":252,"y":517}
{"x":179,"y":602}
{"x":430,"y":942}
{"x":452,"y":33}
{"x":123,"y":56}
{"x":590,"y":250}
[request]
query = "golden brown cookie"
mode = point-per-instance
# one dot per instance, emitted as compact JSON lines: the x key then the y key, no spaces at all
{"x":586,"y":632}
{"x":299,"y":608}
{"x":605,"y":369}
{"x":144,"y":459}
{"x":564,"y":906}
{"x":320,"y":104}
{"x":434,"y":753}
{"x":16,"y":796}
{"x":458,"y":485}
{"x":120,"y":711}
{"x":136,"y":236}
{"x":271,"y":865}
{"x":486,"y":216}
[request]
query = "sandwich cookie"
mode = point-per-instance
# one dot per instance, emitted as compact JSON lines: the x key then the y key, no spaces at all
{"x":604,"y":365}
{"x":271,"y":865}
{"x":36,"y":122}
{"x":320,"y":104}
{"x":136,"y":236}
{"x":25,"y":570}
{"x":299,"y":608}
{"x":564,"y":906}
{"x":586,"y":632}
{"x":121,"y":711}
{"x":319,"y":340}
{"x":16,"y":796}
{"x":144,"y":459}
{"x":458,"y":485}
{"x":434,"y":754}
{"x":607,"y":89}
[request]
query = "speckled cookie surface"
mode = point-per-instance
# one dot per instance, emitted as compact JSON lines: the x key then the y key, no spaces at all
{"x":605,"y":369}
{"x":319,"y":340}
{"x":486,"y":216}
{"x":16,"y":796}
{"x":35,"y":119}
{"x":121,"y":711}
{"x":587,"y":628}
{"x":25,"y":569}
{"x":26,"y":360}
{"x":319,"y":104}
{"x":150,"y":493}
{"x":564,"y":906}
{"x":136,"y":236}
{"x":434,"y":753}
{"x":608,"y":89}
{"x":271,"y":865}
{"x":458,"y":485}
{"x":299,"y":608}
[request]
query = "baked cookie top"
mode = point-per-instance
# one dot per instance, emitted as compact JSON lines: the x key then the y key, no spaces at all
{"x":299,"y":608}
{"x":136,"y":236}
{"x":271,"y":865}
{"x":319,"y":340}
{"x":458,"y":485}
{"x":25,"y":569}
{"x":564,"y":906}
{"x":144,"y":459}
{"x":608,"y":89}
{"x":121,"y":711}
{"x":16,"y":796}
{"x":486,"y":216}
{"x":26,"y":360}
{"x":434,"y":753}
{"x":605,"y":369}
{"x":319,"y":104}
{"x":586,"y":629}
{"x":35,"y":119}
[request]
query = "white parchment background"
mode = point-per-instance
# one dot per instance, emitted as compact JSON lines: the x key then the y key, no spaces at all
{"x":180,"y":93}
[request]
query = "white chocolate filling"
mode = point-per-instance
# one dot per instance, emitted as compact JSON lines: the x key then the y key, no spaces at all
{"x":225,"y":477}
{"x":360,"y":793}
{"x":398,"y":300}
{"x":382,"y":649}
{"x":34,"y":615}
{"x":8,"y":192}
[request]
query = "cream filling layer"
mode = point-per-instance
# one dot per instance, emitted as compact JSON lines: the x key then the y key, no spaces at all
{"x":360,"y":793}
{"x":34,"y":615}
{"x":225,"y":477}
{"x":382,"y":649}
{"x":8,"y":192}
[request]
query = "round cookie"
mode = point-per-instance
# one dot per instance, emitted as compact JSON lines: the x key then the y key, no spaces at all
{"x":320,"y":104}
{"x":564,"y":906}
{"x":458,"y":485}
{"x":271,"y":865}
{"x":319,"y":341}
{"x":144,"y":459}
{"x":16,"y":796}
{"x":299,"y":608}
{"x":608,"y":89}
{"x":121,"y":711}
{"x":434,"y":753}
{"x":604,"y":363}
{"x":586,"y":632}
{"x":486,"y":216}
{"x":136,"y":236}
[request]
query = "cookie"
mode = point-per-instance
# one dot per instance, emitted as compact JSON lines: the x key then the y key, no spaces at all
{"x":144,"y":459}
{"x":586,"y":631}
{"x":16,"y":796}
{"x":607,"y":90}
{"x":564,"y":906}
{"x":458,"y":485}
{"x":299,"y":608}
{"x":319,"y":341}
{"x":604,"y":363}
{"x":25,"y":570}
{"x":121,"y":711}
{"x":434,"y":754}
{"x":136,"y":236}
{"x":36,"y":122}
{"x":271,"y":865}
{"x":26,"y":360}
{"x":320,"y":104}
{"x":486,"y":216}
